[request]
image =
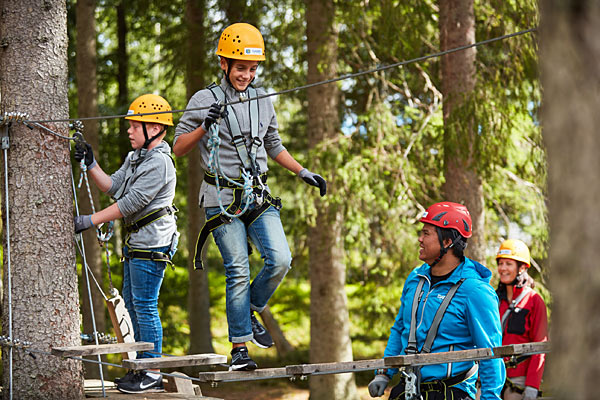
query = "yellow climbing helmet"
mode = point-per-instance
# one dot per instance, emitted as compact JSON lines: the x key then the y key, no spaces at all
{"x":149,"y":103}
{"x":514,"y":249}
{"x":241,"y":41}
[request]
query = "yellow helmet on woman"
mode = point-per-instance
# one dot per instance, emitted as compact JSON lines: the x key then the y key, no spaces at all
{"x":514,"y":249}
{"x":241,"y":41}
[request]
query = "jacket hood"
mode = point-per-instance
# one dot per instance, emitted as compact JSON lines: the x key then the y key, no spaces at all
{"x":467,"y":269}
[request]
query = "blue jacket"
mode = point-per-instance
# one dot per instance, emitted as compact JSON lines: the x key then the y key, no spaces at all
{"x":471,"y":321}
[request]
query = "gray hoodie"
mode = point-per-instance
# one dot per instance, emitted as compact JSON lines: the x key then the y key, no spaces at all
{"x":231,"y":164}
{"x":145,"y":183}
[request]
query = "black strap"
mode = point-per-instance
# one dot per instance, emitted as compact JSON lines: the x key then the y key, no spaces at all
{"x":211,"y":179}
{"x":148,"y":219}
{"x":220,"y":219}
{"x":514,"y":361}
{"x":149,"y":255}
{"x":442,"y":384}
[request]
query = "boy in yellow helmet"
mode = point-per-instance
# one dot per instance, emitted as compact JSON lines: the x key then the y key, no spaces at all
{"x":144,"y":189}
{"x":249,"y":133}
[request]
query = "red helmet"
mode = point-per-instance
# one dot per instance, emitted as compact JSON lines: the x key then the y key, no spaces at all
{"x":449,"y":215}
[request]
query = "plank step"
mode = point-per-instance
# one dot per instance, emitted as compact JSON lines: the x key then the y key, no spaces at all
{"x":91,"y":350}
{"x":175,"y":361}
{"x":233,"y":376}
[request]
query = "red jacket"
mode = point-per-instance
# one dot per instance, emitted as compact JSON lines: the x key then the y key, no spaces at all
{"x":528,"y":323}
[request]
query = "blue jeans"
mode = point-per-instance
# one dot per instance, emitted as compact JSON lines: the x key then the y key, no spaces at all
{"x":241,"y":296}
{"x":141,"y":285}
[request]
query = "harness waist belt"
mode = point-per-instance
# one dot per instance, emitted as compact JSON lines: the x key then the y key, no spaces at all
{"x":220,"y":219}
{"x":148,"y":219}
{"x":442,"y":384}
{"x":149,"y":255}
{"x":212,"y":180}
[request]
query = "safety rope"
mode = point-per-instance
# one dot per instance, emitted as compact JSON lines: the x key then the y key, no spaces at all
{"x":214,"y":166}
{"x":307,"y":86}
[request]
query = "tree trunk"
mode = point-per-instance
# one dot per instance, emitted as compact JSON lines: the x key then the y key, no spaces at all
{"x":329,"y":330}
{"x":87,"y":93}
{"x":463,"y":183}
{"x":45,"y":303}
{"x":123,"y":100}
{"x":571,"y":81}
{"x":199,"y":292}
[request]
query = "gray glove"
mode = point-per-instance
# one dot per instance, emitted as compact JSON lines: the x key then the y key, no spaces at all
{"x":530,"y":393}
{"x":314,"y":180}
{"x":83,"y":222}
{"x":378,"y":385}
{"x":214,"y":113}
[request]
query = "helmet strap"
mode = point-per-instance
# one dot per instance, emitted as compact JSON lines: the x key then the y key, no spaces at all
{"x":150,"y":140}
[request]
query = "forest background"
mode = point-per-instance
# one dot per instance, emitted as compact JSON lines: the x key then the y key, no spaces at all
{"x":387,"y":161}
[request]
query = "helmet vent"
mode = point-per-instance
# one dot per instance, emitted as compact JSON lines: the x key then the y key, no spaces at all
{"x":466,"y":225}
{"x":439,"y":216}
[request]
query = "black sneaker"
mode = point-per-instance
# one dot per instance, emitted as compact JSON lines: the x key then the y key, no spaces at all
{"x":142,"y":383}
{"x":241,"y":361}
{"x":261,"y":338}
{"x":128,"y":377}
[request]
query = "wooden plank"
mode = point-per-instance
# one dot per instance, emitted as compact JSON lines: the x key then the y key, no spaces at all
{"x":335,"y":367}
{"x":90,"y":350}
{"x":175,"y":361}
{"x":522,"y":349}
{"x":466,"y":355}
{"x":231,"y":376}
{"x":174,"y":384}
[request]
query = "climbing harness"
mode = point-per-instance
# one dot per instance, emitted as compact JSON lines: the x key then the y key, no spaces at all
{"x":412,"y":375}
{"x":513,"y":306}
{"x":250,"y":186}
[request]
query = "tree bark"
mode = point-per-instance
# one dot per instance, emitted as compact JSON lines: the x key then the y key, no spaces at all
{"x":199,"y":291}
{"x":463,"y":183}
{"x":329,"y":330}
{"x":87,"y":93}
{"x":570,"y":77}
{"x":123,"y":100}
{"x":45,"y":303}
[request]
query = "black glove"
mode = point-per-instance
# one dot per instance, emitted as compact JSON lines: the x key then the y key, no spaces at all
{"x":314,"y":180}
{"x":83,"y":222}
{"x":83,"y":151}
{"x":214,"y":113}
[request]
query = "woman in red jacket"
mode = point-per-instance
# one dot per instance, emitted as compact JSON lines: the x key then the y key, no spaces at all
{"x":524,"y":320}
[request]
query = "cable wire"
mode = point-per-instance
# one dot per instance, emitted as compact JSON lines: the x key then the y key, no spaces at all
{"x":307,"y":86}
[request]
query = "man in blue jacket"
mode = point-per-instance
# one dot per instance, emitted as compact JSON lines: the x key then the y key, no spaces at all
{"x":446,"y":279}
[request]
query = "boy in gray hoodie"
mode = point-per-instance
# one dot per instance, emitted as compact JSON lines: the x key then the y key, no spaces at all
{"x":248,"y":133}
{"x":144,"y":189}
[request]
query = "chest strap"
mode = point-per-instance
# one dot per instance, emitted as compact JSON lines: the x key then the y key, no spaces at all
{"x":150,"y":218}
{"x":221,"y":219}
{"x":247,"y":157}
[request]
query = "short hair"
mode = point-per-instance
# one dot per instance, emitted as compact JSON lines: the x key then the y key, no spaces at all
{"x":459,"y":241}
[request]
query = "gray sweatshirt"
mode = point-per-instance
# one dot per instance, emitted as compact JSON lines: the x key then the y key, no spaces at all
{"x":145,"y":183}
{"x":231,"y":164}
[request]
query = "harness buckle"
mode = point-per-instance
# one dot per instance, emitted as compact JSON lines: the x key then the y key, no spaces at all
{"x":259,"y":195}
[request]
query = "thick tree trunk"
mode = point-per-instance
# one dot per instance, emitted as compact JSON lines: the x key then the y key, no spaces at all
{"x":329,"y":329}
{"x":571,"y":81}
{"x":87,"y":93}
{"x":198,"y":293}
{"x":45,"y":303}
{"x":463,"y":183}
